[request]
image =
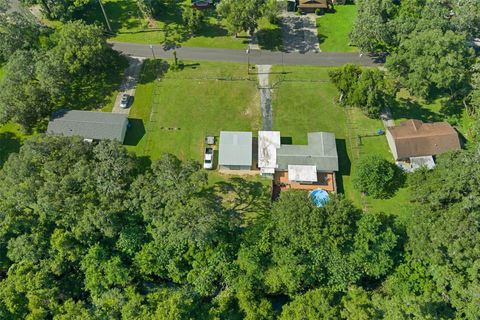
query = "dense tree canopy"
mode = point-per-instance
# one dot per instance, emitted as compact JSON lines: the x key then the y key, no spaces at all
{"x":69,"y":70}
{"x":429,"y":42}
{"x":87,"y":231}
{"x":369,"y":89}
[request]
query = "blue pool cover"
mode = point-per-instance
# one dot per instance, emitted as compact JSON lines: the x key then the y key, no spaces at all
{"x":319,"y":197}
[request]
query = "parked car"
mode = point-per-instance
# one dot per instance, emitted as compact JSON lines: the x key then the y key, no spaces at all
{"x":124,"y":101}
{"x":208,"y":158}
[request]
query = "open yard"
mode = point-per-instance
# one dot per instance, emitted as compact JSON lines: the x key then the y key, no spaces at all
{"x":129,"y":25}
{"x":334,"y":28}
{"x":175,"y":113}
{"x":304,"y":101}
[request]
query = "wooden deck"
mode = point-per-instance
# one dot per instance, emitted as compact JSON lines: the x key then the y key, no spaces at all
{"x":326,"y":181}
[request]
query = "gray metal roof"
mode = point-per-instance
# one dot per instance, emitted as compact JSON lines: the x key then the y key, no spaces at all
{"x":88,"y":124}
{"x":235,"y":148}
{"x":321,"y":152}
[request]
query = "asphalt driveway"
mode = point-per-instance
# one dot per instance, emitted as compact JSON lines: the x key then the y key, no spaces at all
{"x":299,"y":33}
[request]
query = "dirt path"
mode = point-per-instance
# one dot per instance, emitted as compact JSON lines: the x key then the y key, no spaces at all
{"x":265,"y":97}
{"x":129,"y":84}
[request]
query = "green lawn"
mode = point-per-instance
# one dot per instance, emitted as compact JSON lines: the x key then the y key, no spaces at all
{"x":333,"y":29}
{"x":304,"y":101}
{"x":175,"y":113}
{"x":129,"y":25}
{"x":11,"y":138}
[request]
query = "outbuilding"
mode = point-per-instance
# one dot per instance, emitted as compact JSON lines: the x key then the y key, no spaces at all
{"x":235,"y":150}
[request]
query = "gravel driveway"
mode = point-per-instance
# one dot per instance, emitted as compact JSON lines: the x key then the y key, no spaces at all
{"x":129,"y":84}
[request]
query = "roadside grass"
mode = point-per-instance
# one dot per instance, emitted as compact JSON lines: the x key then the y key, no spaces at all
{"x":176,"y":112}
{"x":334,"y":28}
{"x":304,"y":100}
{"x":129,"y":25}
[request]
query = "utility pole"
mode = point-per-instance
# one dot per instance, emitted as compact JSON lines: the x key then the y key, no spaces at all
{"x":248,"y":60}
{"x":105,"y":15}
{"x":153,"y":52}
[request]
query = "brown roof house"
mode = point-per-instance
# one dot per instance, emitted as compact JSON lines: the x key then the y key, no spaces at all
{"x":417,"y":142}
{"x":308,"y":6}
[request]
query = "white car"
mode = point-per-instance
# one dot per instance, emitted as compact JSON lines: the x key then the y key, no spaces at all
{"x":124,"y":101}
{"x":208,"y":159}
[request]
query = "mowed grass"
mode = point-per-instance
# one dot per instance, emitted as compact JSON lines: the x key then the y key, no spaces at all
{"x":304,"y":101}
{"x":176,"y":112}
{"x":129,"y":25}
{"x":334,"y":28}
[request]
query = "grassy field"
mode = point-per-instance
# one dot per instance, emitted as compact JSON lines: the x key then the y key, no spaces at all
{"x":129,"y":25}
{"x":176,"y":112}
{"x":304,"y":101}
{"x":333,"y":29}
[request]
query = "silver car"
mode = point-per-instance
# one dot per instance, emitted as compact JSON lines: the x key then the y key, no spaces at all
{"x":124,"y":101}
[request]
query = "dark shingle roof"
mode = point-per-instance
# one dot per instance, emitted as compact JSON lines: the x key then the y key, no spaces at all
{"x":88,"y":124}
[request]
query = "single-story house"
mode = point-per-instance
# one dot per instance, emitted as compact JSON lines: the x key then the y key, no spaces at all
{"x":305,"y":167}
{"x":89,"y":125}
{"x":415,"y":142}
{"x":310,"y":6}
{"x":235,"y":150}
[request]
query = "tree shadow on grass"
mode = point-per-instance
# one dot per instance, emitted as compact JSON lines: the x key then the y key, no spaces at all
{"x":411,"y":109}
{"x":9,"y":143}
{"x":270,"y":39}
{"x":243,"y":196}
{"x":121,"y":14}
{"x":152,"y":70}
{"x":344,"y":164}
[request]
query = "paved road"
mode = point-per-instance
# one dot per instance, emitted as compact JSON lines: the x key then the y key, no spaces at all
{"x":129,"y":84}
{"x":256,"y":56}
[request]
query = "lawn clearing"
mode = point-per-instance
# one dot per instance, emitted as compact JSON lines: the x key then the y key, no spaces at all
{"x":129,"y":25}
{"x":334,"y":28}
{"x":11,"y":138}
{"x":175,"y":113}
{"x":304,"y":101}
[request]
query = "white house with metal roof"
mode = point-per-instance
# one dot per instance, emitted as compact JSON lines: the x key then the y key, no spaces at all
{"x":235,"y":150}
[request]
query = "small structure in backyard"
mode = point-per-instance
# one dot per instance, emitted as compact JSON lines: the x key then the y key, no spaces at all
{"x":311,"y":6}
{"x":414,"y":143}
{"x":89,"y":125}
{"x":235,"y":150}
{"x":305,"y":167}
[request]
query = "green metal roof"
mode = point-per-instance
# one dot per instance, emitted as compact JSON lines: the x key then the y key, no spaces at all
{"x":235,"y":148}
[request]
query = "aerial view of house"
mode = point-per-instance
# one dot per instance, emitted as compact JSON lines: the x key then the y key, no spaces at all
{"x":417,"y":143}
{"x":89,"y":125}
{"x":235,"y":150}
{"x":240,"y":159}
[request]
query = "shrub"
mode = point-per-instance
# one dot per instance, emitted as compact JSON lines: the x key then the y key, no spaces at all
{"x":377,"y":177}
